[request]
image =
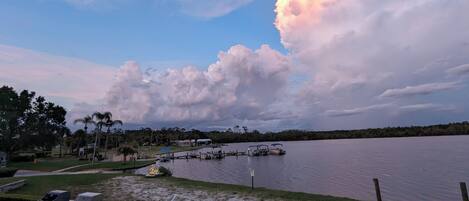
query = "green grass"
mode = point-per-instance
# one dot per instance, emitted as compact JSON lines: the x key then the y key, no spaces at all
{"x":38,"y":186}
{"x":17,"y":197}
{"x":9,"y":180}
{"x":47,"y":165}
{"x":261,"y":193}
{"x":113,"y":165}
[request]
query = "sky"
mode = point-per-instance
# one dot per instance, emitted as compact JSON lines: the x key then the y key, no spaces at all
{"x":265,"y":64}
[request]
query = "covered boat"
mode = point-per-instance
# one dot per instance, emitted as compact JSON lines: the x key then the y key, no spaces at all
{"x":277,"y":149}
{"x":258,"y":150}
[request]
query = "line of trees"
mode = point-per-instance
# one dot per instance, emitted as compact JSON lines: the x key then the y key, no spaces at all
{"x":164,"y":136}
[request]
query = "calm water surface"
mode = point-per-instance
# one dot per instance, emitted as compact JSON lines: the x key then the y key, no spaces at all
{"x":409,"y":169}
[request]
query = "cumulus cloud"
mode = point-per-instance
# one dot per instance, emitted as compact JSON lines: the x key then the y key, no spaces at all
{"x":423,"y":89}
{"x":242,"y":85}
{"x":357,"y":50}
{"x":62,"y":79}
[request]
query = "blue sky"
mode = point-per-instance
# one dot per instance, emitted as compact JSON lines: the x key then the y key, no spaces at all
{"x":265,"y":64}
{"x":155,"y":34}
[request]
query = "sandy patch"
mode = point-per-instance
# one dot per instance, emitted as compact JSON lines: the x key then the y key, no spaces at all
{"x":142,"y":189}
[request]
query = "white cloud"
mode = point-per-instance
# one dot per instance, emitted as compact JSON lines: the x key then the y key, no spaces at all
{"x":356,"y":111}
{"x":211,"y":8}
{"x":63,"y":79}
{"x":425,"y":107}
{"x":423,"y":89}
{"x":459,"y":70}
{"x":197,"y":8}
{"x":242,"y":85}
{"x":355,"y":51}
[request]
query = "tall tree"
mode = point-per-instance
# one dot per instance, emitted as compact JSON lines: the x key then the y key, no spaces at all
{"x":13,"y":110}
{"x":109,"y":123}
{"x":28,"y":122}
{"x":99,"y":118}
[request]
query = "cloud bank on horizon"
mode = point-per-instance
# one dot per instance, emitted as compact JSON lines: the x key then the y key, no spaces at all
{"x":365,"y":63}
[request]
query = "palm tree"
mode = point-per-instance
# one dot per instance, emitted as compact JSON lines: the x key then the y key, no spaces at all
{"x":87,"y":120}
{"x":126,"y":151}
{"x":100,"y":118}
{"x":109,"y":123}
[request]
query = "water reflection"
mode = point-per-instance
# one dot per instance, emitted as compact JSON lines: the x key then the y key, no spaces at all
{"x":426,"y":168}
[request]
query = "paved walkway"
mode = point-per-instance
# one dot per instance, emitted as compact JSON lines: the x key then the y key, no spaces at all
{"x":69,"y":168}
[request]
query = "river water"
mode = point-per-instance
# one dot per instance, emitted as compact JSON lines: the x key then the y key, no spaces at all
{"x":409,"y":169}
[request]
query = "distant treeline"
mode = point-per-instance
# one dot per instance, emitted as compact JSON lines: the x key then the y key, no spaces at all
{"x":297,"y":135}
{"x":165,"y":135}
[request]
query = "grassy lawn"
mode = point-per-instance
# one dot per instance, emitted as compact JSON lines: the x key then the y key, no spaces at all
{"x":8,"y":180}
{"x":38,"y":186}
{"x":112,"y":165}
{"x":47,"y":164}
{"x":258,"y":192}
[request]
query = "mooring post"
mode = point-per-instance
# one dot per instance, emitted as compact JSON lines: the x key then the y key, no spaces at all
{"x":252,"y":179}
{"x":465,"y":197}
{"x":377,"y":189}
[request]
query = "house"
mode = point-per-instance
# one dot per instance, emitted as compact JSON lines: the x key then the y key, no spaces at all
{"x":3,"y":158}
{"x":204,"y":142}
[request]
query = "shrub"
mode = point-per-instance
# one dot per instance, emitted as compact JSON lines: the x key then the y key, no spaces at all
{"x":7,"y":172}
{"x":22,"y":158}
{"x":165,"y":171}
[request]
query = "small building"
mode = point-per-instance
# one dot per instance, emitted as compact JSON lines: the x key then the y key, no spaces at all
{"x":204,"y":142}
{"x":3,"y":158}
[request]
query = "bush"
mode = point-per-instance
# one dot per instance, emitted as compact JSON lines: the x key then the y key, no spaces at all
{"x":165,"y":171}
{"x":22,"y":158}
{"x":7,"y":172}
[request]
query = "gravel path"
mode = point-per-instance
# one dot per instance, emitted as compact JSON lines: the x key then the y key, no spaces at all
{"x":142,"y":189}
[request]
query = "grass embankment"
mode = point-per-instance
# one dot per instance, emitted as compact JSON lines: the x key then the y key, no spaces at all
{"x":112,"y":166}
{"x":47,"y":165}
{"x":38,"y":186}
{"x":261,"y":193}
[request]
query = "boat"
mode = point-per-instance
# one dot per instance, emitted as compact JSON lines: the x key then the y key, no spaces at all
{"x":277,"y":149}
{"x":217,"y":152}
{"x":153,"y":171}
{"x":258,"y":150}
{"x":164,"y":158}
{"x":206,"y":156}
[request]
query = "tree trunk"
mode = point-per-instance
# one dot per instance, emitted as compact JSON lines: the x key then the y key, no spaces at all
{"x":105,"y":144}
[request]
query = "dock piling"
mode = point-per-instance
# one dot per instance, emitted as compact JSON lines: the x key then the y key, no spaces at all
{"x":464,"y":194}
{"x":377,"y":189}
